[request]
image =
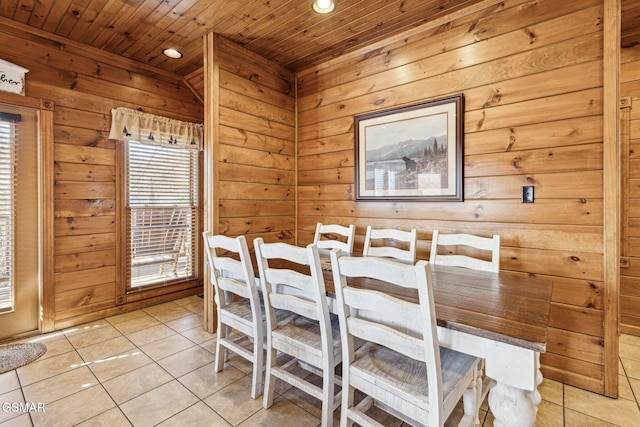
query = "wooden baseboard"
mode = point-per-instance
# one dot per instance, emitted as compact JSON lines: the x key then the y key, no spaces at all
{"x":125,"y":308}
{"x":631,"y":330}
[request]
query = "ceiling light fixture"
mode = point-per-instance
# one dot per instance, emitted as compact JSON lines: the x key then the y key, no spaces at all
{"x":324,"y":6}
{"x":172,"y":53}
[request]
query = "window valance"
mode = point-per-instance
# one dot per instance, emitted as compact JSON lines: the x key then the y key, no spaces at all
{"x":128,"y":124}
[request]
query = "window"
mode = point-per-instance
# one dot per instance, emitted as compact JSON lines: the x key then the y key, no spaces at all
{"x":7,"y":203}
{"x":162,"y":214}
{"x":19,"y":226}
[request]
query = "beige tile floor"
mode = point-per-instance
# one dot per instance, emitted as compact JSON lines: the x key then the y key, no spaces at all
{"x":155,"y":367}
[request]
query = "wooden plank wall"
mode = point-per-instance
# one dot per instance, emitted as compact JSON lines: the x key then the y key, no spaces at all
{"x":255,"y":146}
{"x":532,"y":76}
{"x":630,"y":236}
{"x":85,"y":85}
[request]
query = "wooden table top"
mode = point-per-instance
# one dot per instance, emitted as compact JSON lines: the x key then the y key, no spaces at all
{"x":505,"y":307}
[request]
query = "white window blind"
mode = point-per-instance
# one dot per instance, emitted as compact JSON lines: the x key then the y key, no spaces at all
{"x":162,"y":213}
{"x":8,"y":163}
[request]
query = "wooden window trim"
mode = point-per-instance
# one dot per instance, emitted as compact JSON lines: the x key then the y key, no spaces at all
{"x":123,"y":294}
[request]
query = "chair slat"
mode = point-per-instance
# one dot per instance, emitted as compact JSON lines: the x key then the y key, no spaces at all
{"x":464,"y":261}
{"x":285,"y":251}
{"x":228,"y":264}
{"x":394,"y":308}
{"x":387,"y":336}
{"x":378,"y":267}
{"x":235,"y":286}
{"x":295,"y":304}
{"x":291,"y":278}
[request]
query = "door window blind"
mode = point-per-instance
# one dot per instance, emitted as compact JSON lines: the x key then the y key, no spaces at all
{"x":162,"y":213}
{"x":8,"y":164}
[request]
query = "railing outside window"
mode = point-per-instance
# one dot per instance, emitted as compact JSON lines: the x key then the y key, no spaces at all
{"x":162,"y":246}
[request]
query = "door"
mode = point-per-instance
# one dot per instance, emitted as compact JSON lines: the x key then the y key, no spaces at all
{"x":19,"y":222}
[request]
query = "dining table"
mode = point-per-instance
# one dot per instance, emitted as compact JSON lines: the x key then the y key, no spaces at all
{"x":501,"y":317}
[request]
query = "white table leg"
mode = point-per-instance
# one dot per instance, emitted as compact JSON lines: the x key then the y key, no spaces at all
{"x":512,"y":406}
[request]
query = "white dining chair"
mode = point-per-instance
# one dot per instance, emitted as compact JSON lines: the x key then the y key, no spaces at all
{"x":397,"y":244}
{"x":485,"y":258}
{"x":467,"y":251}
{"x":330,"y":236}
{"x":238,"y":303}
{"x":401,"y":368}
{"x":312,"y":338}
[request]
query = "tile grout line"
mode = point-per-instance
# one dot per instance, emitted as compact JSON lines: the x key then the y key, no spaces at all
{"x":198,"y":341}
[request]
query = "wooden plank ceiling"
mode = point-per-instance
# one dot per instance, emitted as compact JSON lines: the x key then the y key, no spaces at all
{"x":285,"y":31}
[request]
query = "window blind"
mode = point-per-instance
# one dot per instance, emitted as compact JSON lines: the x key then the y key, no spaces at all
{"x":162,"y":213}
{"x":8,"y":163}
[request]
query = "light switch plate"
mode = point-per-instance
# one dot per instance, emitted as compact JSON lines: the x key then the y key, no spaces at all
{"x":527,"y":194}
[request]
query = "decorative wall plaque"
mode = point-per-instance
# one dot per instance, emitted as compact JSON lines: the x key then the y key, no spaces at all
{"x":12,"y":77}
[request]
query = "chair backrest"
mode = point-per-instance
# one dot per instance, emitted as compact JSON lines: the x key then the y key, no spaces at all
{"x":292,"y":280}
{"x":331,"y":236}
{"x":408,"y":238}
{"x":405,"y":327}
{"x":178,"y":228}
{"x":231,"y":270}
{"x":475,"y":245}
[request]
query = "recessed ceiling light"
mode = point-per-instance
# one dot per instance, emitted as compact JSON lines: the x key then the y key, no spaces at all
{"x":324,"y":6}
{"x":172,"y":53}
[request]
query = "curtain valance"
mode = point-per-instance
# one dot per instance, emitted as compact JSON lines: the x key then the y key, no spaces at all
{"x":128,"y":124}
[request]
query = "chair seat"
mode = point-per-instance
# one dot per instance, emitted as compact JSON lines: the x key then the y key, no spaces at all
{"x":240,"y":311}
{"x":406,"y":378}
{"x":302,"y":331}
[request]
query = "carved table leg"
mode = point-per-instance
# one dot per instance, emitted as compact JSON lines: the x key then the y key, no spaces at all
{"x":535,"y":394}
{"x":512,"y":406}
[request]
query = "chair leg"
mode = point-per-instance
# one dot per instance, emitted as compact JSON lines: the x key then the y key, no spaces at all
{"x":471,"y":396}
{"x":258,"y":367}
{"x":347,"y":402}
{"x":220,"y":350}
{"x":269,"y":380}
{"x":174,"y":264}
{"x":479,"y":392}
{"x":328,"y":391}
{"x":227,"y":334}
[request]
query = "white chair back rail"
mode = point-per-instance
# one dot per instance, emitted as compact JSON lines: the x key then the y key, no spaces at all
{"x":488,"y":245}
{"x":230,"y":270}
{"x":346,"y":232}
{"x":407,"y":237}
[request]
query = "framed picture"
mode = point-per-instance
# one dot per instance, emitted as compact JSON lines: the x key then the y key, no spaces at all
{"x":411,"y":153}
